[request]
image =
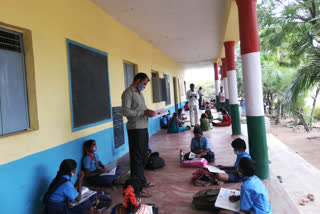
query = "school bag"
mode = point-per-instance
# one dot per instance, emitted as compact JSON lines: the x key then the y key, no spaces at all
{"x":206,"y":199}
{"x":203,"y":177}
{"x":102,"y":200}
{"x":155,"y":161}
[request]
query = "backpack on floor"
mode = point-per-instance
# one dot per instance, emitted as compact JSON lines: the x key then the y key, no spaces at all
{"x":203,"y":177}
{"x":102,"y":200}
{"x":155,"y":161}
{"x":206,"y":199}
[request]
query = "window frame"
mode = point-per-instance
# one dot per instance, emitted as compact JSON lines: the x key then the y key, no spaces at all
{"x":74,"y":129}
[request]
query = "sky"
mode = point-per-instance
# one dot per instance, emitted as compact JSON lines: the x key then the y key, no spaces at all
{"x":200,"y":74}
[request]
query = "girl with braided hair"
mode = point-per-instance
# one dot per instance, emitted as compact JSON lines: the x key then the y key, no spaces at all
{"x":93,"y":167}
{"x":61,"y":190}
{"x":131,"y":200}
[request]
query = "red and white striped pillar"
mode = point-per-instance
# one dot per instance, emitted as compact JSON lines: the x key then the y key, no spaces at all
{"x":225,"y":82}
{"x":252,"y":80}
{"x":233,"y":88}
{"x":216,"y":77}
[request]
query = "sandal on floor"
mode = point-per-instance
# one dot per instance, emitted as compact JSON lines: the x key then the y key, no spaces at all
{"x":149,"y":185}
{"x":145,"y":194}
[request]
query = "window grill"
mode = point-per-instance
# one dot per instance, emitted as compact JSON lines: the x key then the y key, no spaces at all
{"x":10,"y":41}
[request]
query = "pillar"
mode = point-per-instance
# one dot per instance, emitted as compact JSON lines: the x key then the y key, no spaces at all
{"x":252,"y":80}
{"x":225,"y":83}
{"x":232,"y":88}
{"x":216,"y":77}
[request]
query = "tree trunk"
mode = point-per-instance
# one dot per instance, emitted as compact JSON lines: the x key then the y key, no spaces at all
{"x":313,"y":107}
{"x":270,"y":104}
{"x":303,"y":120}
{"x":278,"y":112}
{"x":282,"y":112}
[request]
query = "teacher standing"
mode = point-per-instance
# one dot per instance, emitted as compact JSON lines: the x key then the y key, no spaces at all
{"x":137,"y":113}
{"x":192,"y":97}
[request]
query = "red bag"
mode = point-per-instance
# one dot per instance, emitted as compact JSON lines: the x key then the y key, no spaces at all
{"x":195,"y":163}
{"x":203,"y":177}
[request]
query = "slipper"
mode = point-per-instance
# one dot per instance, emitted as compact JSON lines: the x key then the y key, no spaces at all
{"x":145,"y":194}
{"x":149,"y":185}
{"x":310,"y":197}
{"x":304,"y":201}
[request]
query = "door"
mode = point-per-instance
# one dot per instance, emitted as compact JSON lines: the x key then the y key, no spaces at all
{"x":175,"y":90}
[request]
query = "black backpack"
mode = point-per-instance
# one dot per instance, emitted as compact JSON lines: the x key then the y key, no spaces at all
{"x":206,"y":199}
{"x":154,"y":161}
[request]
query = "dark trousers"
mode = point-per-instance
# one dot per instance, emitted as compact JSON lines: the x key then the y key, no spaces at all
{"x":138,"y":148}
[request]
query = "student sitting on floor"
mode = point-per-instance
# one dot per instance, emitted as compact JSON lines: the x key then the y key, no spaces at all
{"x":164,"y":120}
{"x":239,"y":147}
{"x":131,"y":200}
{"x":186,"y":106}
{"x":204,"y":123}
{"x":180,"y":115}
{"x":254,"y":196}
{"x":200,"y":146}
{"x":209,"y":114}
{"x":61,"y":190}
{"x":175,"y":125}
{"x":94,"y":168}
{"x":226,"y":119}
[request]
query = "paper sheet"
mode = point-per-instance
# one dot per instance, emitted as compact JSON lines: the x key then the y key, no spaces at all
{"x":214,"y":169}
{"x":160,"y":113}
{"x":111,"y":172}
{"x":192,"y":155}
{"x":224,"y":202}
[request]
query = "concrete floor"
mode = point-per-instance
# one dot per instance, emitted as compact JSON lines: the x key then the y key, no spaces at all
{"x":173,"y":191}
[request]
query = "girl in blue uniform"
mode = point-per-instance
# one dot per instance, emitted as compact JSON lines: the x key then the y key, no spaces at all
{"x":93,"y":167}
{"x":239,"y":147}
{"x":61,"y":190}
{"x":254,"y":196}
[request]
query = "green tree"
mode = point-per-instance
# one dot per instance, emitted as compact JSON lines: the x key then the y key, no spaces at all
{"x":289,"y":30}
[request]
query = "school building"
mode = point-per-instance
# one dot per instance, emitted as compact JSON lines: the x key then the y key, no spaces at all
{"x":65,"y":63}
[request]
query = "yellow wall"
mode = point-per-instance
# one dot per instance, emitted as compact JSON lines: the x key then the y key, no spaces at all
{"x":50,"y":24}
{"x":231,"y":25}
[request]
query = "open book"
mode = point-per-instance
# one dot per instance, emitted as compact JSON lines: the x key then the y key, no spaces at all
{"x":86,"y":193}
{"x":224,"y":202}
{"x":110,"y":172}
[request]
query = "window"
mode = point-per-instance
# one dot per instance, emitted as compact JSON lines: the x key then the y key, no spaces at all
{"x":89,"y":85}
{"x":14,"y":113}
{"x":167,"y":89}
{"x":129,"y":73}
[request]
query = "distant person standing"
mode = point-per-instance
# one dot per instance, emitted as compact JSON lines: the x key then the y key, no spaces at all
{"x":192,"y":97}
{"x":222,"y":98}
{"x":200,"y":97}
{"x":243,"y":107}
{"x":137,"y":113}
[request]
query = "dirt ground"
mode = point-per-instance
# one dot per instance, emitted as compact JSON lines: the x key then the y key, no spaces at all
{"x":307,"y":145}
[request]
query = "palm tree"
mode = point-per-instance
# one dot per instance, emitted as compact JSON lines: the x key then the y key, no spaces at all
{"x":307,"y":78}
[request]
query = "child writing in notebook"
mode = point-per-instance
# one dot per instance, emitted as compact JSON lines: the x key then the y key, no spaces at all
{"x":200,"y":146}
{"x":239,"y":148}
{"x":61,"y":190}
{"x":254,"y":196}
{"x":93,"y":167}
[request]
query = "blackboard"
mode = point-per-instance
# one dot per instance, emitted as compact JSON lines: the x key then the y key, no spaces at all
{"x":118,"y":130}
{"x":89,"y":85}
